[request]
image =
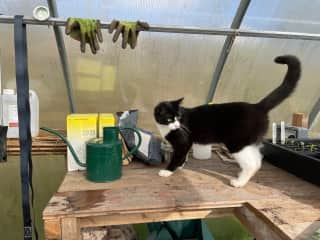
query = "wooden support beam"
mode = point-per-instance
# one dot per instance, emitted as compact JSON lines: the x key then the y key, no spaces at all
{"x":118,"y":219}
{"x":52,"y":228}
{"x":70,"y":229}
{"x":257,"y":225}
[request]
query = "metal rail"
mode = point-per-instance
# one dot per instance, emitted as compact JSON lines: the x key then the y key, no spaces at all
{"x":195,"y":30}
{"x":185,"y":30}
{"x":236,"y":22}
{"x":63,"y":55}
{"x":314,"y":113}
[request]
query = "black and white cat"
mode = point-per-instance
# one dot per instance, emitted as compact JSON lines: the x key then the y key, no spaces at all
{"x":239,"y":125}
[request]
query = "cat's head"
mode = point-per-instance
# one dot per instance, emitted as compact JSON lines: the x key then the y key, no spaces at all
{"x":167,"y":112}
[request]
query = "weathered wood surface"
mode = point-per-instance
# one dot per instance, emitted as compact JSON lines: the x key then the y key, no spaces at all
{"x":257,"y":226}
{"x":286,"y":205}
{"x":133,"y":218}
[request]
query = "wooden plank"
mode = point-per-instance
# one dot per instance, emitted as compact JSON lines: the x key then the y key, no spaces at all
{"x":195,"y":173}
{"x":118,"y":219}
{"x":95,"y":204}
{"x":302,"y":231}
{"x":76,"y":181}
{"x":282,"y":205}
{"x":289,"y":211}
{"x":40,"y":144}
{"x":143,"y":189}
{"x":259,"y":227}
{"x":173,"y":193}
{"x":297,"y":218}
{"x":47,"y":153}
{"x":44,"y":143}
{"x":52,"y":229}
{"x":37,"y":148}
{"x":294,"y":219}
{"x":70,"y":228}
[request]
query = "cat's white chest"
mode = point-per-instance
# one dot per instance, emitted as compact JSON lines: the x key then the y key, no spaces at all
{"x":163,"y":129}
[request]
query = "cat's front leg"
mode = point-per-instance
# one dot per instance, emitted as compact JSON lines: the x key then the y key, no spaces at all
{"x":181,"y":142}
{"x":165,"y":173}
{"x":175,"y":163}
{"x":180,"y":151}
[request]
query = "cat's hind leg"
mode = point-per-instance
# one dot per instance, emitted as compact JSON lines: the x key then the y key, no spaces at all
{"x":249,"y":158}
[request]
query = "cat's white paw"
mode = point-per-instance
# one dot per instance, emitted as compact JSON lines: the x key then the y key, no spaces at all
{"x":165,"y":173}
{"x":235,"y":182}
{"x":182,"y":166}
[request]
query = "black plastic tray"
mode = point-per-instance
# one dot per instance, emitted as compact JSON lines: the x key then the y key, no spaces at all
{"x":305,"y":165}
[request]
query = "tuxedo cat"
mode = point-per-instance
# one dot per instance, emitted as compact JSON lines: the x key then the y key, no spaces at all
{"x":239,"y":125}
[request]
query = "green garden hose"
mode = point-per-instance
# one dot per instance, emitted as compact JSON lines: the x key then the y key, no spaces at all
{"x":64,"y":139}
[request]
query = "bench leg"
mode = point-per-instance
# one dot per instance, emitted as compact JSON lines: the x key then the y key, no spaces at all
{"x":52,"y":229}
{"x":257,"y":226}
{"x":70,"y":229}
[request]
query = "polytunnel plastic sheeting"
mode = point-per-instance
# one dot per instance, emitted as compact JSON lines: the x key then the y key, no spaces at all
{"x":45,"y":73}
{"x":315,"y":128}
{"x":162,"y":67}
{"x":205,"y":13}
{"x":283,"y":15}
{"x":19,"y":7}
{"x":250,"y":74}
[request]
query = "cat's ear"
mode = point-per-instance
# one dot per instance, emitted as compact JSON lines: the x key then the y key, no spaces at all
{"x":178,"y":101}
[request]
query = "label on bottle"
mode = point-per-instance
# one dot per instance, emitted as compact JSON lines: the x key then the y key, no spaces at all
{"x":12,"y":118}
{"x":85,"y":133}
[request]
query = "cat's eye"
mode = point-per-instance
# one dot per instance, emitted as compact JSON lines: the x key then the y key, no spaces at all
{"x":169,"y":120}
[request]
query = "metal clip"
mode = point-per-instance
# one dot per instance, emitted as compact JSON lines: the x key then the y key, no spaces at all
{"x":27,"y":232}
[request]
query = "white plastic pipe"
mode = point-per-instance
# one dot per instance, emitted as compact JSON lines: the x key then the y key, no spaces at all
{"x":1,"y":114}
{"x":274,"y":133}
{"x":283,"y":132}
{"x":0,"y":76}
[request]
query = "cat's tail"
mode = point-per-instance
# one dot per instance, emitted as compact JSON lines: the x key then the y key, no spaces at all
{"x":288,"y":85}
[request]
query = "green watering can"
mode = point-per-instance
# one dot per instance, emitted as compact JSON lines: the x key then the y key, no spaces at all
{"x":104,"y":155}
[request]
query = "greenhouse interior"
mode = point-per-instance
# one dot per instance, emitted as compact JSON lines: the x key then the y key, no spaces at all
{"x":148,"y":119}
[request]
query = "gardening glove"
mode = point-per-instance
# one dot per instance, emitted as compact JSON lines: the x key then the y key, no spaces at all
{"x":129,"y":31}
{"x":85,"y":31}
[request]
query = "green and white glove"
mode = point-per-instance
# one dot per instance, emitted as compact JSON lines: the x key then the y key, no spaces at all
{"x":85,"y":31}
{"x":129,"y":31}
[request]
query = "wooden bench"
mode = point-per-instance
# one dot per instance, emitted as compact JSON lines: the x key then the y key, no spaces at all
{"x":274,"y":205}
